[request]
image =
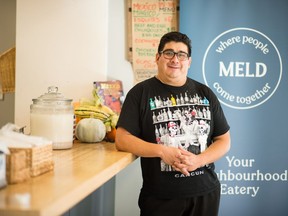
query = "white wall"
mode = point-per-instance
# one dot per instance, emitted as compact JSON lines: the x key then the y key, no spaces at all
{"x":71,"y":43}
{"x":61,"y":43}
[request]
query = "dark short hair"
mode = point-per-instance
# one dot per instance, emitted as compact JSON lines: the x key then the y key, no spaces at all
{"x":176,"y":37}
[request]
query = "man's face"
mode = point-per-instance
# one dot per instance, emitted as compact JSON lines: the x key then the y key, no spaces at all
{"x":173,"y":69}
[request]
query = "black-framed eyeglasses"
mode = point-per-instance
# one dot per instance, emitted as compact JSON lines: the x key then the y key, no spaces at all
{"x":169,"y":54}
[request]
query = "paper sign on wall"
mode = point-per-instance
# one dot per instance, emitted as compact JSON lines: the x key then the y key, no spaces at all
{"x":150,"y":20}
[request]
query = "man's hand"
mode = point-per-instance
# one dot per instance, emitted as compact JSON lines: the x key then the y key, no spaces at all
{"x":170,"y":155}
{"x":187,"y":162}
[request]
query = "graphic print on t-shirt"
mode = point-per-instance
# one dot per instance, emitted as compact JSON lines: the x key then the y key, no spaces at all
{"x":181,"y":121}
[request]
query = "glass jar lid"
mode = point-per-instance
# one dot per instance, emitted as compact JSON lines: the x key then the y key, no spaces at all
{"x":52,"y":98}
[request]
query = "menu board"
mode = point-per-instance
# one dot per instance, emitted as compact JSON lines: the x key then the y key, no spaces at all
{"x":149,"y":20}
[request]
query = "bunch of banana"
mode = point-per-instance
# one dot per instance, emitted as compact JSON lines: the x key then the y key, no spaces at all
{"x":94,"y":108}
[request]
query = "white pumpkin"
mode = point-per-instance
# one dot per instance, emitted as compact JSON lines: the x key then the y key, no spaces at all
{"x":90,"y":130}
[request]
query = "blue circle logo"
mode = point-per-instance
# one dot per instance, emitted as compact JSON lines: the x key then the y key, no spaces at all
{"x":243,"y":67}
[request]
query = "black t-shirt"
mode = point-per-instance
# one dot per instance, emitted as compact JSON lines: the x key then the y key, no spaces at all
{"x":189,"y":117}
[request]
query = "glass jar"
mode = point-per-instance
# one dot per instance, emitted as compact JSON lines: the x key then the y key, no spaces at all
{"x":52,"y":117}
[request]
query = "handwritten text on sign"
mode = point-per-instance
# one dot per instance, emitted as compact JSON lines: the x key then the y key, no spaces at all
{"x":150,"y":20}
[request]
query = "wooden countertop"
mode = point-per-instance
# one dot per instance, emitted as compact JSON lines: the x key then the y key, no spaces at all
{"x":77,"y":173}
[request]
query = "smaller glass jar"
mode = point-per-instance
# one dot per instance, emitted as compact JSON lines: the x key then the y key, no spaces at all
{"x":52,"y":117}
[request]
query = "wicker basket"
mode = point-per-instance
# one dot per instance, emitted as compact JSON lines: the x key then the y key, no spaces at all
{"x":7,"y":70}
{"x":24,"y":163}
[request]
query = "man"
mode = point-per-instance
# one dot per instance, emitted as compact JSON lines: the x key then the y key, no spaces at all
{"x":177,"y":126}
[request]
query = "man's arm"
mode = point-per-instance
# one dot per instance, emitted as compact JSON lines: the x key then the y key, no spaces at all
{"x":125,"y":141}
{"x":190,"y":161}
